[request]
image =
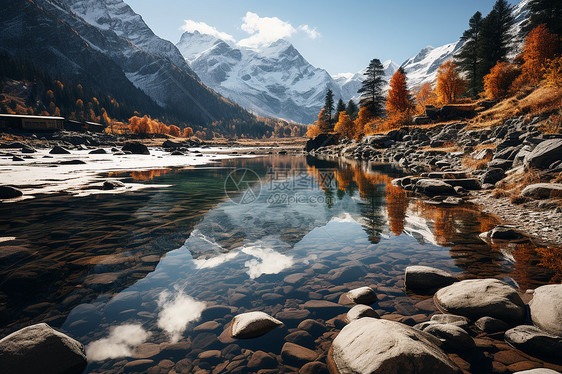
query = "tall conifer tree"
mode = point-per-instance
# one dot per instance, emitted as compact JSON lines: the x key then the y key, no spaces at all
{"x":372,"y":88}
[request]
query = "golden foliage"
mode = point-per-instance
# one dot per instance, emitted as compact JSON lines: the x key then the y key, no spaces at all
{"x":345,"y":126}
{"x":450,"y":85}
{"x":553,"y":72}
{"x":174,"y":131}
{"x":398,"y":95}
{"x":425,"y":96}
{"x":313,"y":131}
{"x":187,"y":132}
{"x":323,"y":123}
{"x":540,"y":46}
{"x":362,"y":123}
{"x":499,"y":80}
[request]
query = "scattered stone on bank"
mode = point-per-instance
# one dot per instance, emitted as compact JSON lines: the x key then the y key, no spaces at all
{"x":453,"y":337}
{"x":433,"y":187}
{"x":362,"y":295}
{"x":252,"y":324}
{"x":476,"y":298}
{"x":374,"y":346}
{"x":546,"y":308}
{"x":360,"y":311}
{"x":136,"y":148}
{"x":99,"y":151}
{"x":427,"y":278}
{"x":492,"y":176}
{"x":17,"y":159}
{"x":112,"y":184}
{"x":542,"y":190}
{"x":491,"y":325}
{"x":7,"y":192}
{"x":503,"y":232}
{"x":544,"y":154}
{"x":314,"y":367}
{"x":41,"y":349}
{"x":58,"y":150}
{"x":535,"y":342}
{"x":72,"y":162}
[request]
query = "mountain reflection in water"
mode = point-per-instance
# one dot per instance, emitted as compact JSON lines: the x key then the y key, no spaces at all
{"x":127,"y":274}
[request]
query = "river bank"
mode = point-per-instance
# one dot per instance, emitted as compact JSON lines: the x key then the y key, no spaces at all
{"x":512,"y":170}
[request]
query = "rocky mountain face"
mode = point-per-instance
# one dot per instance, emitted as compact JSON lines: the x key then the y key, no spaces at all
{"x":275,"y":80}
{"x":107,"y":45}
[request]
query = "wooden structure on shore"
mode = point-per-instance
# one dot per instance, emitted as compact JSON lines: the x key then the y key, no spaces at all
{"x":31,"y":123}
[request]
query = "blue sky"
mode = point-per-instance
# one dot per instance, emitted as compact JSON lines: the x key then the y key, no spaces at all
{"x":337,"y":36}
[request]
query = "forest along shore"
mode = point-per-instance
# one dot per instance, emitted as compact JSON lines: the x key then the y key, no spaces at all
{"x":512,"y":170}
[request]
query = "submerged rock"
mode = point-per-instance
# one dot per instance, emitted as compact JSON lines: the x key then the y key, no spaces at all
{"x":546,"y":308}
{"x":427,"y":278}
{"x":362,"y":295}
{"x":295,"y":354}
{"x":453,"y":337}
{"x":41,"y":349}
{"x":253,"y":324}
{"x":476,"y":298}
{"x":370,"y":345}
{"x":491,"y":325}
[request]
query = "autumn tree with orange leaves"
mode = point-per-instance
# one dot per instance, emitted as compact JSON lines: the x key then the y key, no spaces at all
{"x":398,"y":100}
{"x":540,"y":46}
{"x":425,"y":96}
{"x":174,"y":131}
{"x":324,"y":122}
{"x":187,"y":132}
{"x":450,"y":85}
{"x":363,"y":121}
{"x":313,"y":131}
{"x":498,"y":82}
{"x":345,"y":126}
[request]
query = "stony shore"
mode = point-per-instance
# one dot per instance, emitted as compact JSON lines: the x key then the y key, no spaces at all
{"x":453,"y":160}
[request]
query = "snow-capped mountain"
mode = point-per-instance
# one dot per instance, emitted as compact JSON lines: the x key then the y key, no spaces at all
{"x":273,"y":80}
{"x":350,"y":83}
{"x":107,"y":46}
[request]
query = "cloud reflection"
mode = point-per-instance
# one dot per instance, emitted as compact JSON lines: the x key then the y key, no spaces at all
{"x":205,"y":263}
{"x":267,"y":261}
{"x":120,"y":343}
{"x":177,"y":311}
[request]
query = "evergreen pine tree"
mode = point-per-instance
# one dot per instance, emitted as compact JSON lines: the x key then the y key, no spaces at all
{"x":467,"y":58}
{"x":339,"y":108}
{"x":351,"y":109}
{"x":548,"y":12}
{"x":372,"y":88}
{"x":495,"y":39}
{"x":329,"y":105}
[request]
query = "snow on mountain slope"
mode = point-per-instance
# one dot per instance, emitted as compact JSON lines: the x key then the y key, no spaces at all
{"x":117,"y":16}
{"x":274,"y":80}
{"x":350,"y":83}
{"x":422,"y":68}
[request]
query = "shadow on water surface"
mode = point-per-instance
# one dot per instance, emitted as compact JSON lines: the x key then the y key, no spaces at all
{"x":310,"y":230}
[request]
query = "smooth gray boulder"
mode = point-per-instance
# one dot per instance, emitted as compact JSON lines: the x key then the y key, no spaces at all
{"x":427,"y":278}
{"x":136,"y":148}
{"x":503,"y":232}
{"x":476,"y":298}
{"x":360,"y":311}
{"x":433,"y":187}
{"x":453,"y":337}
{"x":542,"y":190}
{"x":491,"y":325}
{"x":537,"y":371}
{"x":41,"y":349}
{"x":492,"y":176}
{"x":544,"y":154}
{"x":253,"y":324}
{"x":370,"y":345}
{"x":58,"y":150}
{"x":451,"y":319}
{"x":535,"y":342}
{"x":546,"y":308}
{"x":362,"y":295}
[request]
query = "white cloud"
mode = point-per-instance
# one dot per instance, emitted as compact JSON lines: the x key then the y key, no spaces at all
{"x":203,"y":28}
{"x":176,"y":312}
{"x":120,"y":343}
{"x":311,"y":33}
{"x":267,"y":261}
{"x":266,"y":30}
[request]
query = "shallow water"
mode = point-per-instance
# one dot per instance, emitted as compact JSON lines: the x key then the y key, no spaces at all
{"x":130,"y":274}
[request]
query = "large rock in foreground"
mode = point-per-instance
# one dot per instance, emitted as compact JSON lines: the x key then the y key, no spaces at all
{"x":542,"y":190}
{"x":253,"y":324}
{"x":476,"y":298}
{"x":370,"y":345}
{"x":546,"y":308}
{"x":41,"y":349}
{"x":136,"y":148}
{"x":7,"y":192}
{"x":544,"y":154}
{"x":427,"y":278}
